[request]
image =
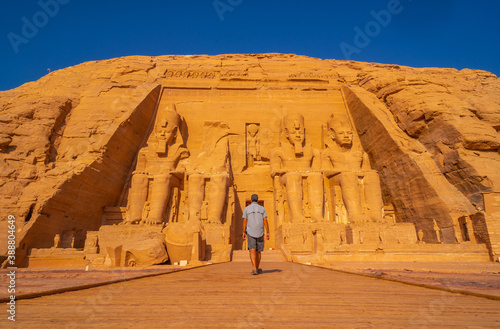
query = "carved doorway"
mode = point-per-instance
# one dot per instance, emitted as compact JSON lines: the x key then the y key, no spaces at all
{"x":248,"y":202}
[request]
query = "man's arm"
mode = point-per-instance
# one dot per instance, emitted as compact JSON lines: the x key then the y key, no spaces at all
{"x":244,"y":228}
{"x":266,"y":225}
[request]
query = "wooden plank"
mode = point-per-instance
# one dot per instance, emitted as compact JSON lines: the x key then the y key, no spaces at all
{"x":286,"y":295}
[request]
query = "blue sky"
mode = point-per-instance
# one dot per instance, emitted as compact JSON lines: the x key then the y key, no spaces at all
{"x":36,"y":36}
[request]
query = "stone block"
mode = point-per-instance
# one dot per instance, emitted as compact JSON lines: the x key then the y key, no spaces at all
{"x":132,"y":245}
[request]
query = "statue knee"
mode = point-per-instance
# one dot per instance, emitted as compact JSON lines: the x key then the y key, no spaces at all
{"x":195,"y":179}
{"x":162,"y":178}
{"x":293,"y":178}
{"x":219,"y":179}
{"x":349,"y":179}
{"x":139,"y":179}
{"x":315,"y":178}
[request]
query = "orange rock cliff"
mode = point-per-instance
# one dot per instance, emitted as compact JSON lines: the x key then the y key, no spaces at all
{"x":71,"y":146}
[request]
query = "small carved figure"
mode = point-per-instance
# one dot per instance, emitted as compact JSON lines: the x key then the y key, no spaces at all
{"x":145,"y":211}
{"x":420,"y":236}
{"x":57,"y":241}
{"x":345,"y":164}
{"x":343,"y":237}
{"x":294,"y":160}
{"x":175,"y":206}
{"x":280,"y":206}
{"x":437,"y":230}
{"x":94,"y":241}
{"x":253,"y":144}
{"x":204,"y":210}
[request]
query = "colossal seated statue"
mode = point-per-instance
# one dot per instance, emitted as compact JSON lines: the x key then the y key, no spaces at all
{"x":291,"y":162}
{"x":212,"y":164}
{"x":346,"y":164}
{"x":157,"y":169}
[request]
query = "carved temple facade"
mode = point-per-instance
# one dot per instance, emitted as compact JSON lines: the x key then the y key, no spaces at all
{"x":309,"y":144}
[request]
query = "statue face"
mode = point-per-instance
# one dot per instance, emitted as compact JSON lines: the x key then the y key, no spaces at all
{"x":295,"y":134}
{"x":170,"y":132}
{"x":253,"y":130}
{"x":167,"y":132}
{"x":343,"y":135}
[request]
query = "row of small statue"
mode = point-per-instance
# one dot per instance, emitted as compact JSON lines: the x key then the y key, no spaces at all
{"x":342,"y":162}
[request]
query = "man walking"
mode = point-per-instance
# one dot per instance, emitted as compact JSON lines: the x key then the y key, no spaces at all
{"x":254,"y":221}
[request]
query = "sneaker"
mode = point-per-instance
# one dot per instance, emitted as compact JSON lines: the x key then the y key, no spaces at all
{"x":259,"y":271}
{"x":254,"y":272}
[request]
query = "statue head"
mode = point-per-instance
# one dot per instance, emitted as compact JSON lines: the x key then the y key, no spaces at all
{"x":252,"y":129}
{"x":293,"y":129}
{"x":167,"y":124}
{"x":340,"y":130}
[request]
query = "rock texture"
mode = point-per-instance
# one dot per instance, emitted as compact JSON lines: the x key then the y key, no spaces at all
{"x":69,"y":140}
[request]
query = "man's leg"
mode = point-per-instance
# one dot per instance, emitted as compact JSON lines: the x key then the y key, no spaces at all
{"x":255,"y":258}
{"x":252,"y":247}
{"x":260,"y":248}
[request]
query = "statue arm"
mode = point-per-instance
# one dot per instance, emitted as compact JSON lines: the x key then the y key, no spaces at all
{"x":222,"y":160}
{"x":365,"y":166}
{"x":326,"y":164}
{"x":276,"y":163}
{"x":141,"y":161}
{"x":316,"y":160}
{"x":184,"y":153}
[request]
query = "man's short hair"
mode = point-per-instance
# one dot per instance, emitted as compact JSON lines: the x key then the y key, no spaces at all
{"x":254,"y":198}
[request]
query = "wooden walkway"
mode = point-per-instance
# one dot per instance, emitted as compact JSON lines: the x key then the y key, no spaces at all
{"x":286,"y":295}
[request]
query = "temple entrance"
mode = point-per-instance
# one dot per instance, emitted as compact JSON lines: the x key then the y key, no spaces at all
{"x":260,"y":202}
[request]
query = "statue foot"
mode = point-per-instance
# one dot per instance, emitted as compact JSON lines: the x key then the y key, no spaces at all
{"x":194,"y":218}
{"x":129,"y":222}
{"x":316,"y":219}
{"x":298,"y":219}
{"x":358,"y":219}
{"x":214,"y":220}
{"x":150,"y":221}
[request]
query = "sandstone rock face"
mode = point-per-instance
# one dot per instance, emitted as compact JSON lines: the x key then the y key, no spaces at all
{"x":454,"y":115}
{"x":70,"y":141}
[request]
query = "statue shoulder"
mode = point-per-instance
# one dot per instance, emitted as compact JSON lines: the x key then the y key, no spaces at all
{"x":178,"y":152}
{"x":277,"y":151}
{"x":184,"y":152}
{"x":329,"y":153}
